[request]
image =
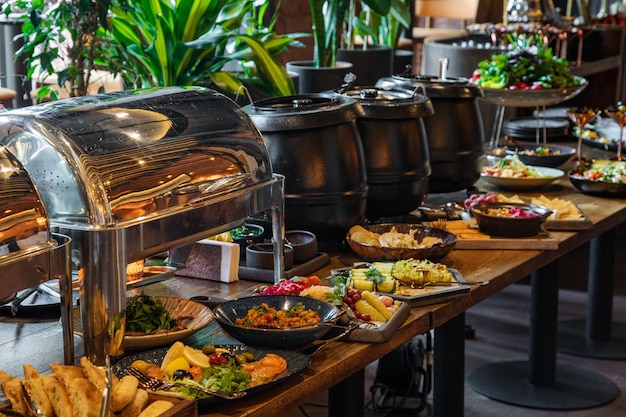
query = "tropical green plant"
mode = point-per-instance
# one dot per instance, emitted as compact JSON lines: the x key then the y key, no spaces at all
{"x":183,"y":42}
{"x":332,"y":22}
{"x":60,"y":38}
{"x":327,"y":17}
{"x":384,"y":29}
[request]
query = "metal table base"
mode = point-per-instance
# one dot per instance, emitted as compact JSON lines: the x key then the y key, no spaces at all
{"x":597,"y":336}
{"x":540,"y":382}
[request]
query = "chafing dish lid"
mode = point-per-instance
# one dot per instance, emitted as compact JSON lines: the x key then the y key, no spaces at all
{"x":24,"y":226}
{"x":112,"y":158}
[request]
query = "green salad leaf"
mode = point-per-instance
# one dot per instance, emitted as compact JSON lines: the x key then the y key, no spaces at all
{"x":530,"y":64}
{"x":145,"y":314}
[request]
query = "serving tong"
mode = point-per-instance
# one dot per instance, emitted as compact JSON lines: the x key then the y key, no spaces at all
{"x":313,"y":349}
{"x":156,"y":384}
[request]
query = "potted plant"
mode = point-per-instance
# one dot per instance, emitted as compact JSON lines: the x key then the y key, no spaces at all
{"x":332,"y":22}
{"x":377,"y":25}
{"x":160,"y":43}
{"x":60,"y":41}
{"x":387,"y":30}
{"x":323,"y":72}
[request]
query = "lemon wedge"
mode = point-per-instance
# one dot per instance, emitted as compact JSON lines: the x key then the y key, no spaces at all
{"x":195,"y":357}
{"x":179,"y":363}
{"x":174,"y":352}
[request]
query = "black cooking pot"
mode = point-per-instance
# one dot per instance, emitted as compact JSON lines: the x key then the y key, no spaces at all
{"x":314,"y":142}
{"x":455,"y":132}
{"x":396,"y":149}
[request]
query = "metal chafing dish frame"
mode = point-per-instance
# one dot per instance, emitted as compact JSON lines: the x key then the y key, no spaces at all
{"x":30,"y":254}
{"x":107,"y":247}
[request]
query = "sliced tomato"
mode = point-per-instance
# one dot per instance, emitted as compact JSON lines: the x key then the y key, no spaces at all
{"x":196,"y":373}
{"x":310,"y":281}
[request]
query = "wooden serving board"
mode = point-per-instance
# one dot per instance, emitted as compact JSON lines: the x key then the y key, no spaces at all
{"x":470,"y":237}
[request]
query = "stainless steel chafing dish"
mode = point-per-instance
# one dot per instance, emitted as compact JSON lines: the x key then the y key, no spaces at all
{"x":29,"y":253}
{"x":133,"y":173}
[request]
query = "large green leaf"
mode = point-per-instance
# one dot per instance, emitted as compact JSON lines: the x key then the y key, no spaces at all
{"x":188,"y":42}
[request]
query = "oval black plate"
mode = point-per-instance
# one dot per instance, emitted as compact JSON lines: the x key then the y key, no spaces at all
{"x":296,"y":361}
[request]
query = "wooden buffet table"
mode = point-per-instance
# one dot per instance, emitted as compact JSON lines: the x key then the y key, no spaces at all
{"x":345,"y":361}
{"x":339,"y":366}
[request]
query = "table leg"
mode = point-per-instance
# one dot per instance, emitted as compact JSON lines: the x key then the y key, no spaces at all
{"x":449,"y":368}
{"x":347,"y":398}
{"x":541,"y":382}
{"x":597,"y":336}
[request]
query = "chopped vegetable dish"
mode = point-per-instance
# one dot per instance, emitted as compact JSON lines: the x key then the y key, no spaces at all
{"x":269,"y":317}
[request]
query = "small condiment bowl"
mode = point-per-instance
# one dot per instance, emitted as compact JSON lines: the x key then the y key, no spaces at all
{"x":261,"y":256}
{"x":509,"y":226}
{"x":245,"y":234}
{"x":304,"y":245}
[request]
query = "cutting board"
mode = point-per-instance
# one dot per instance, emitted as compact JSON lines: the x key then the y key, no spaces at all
{"x":470,"y":237}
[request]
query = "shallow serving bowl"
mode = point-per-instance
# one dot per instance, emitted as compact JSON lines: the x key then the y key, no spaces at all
{"x":507,"y":226}
{"x":558,"y":154}
{"x":596,"y":187}
{"x":377,"y":253}
{"x":284,"y":338}
{"x":196,"y":317}
{"x":547,"y":176}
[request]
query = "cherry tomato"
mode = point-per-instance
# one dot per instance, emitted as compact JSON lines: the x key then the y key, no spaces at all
{"x":217,"y":359}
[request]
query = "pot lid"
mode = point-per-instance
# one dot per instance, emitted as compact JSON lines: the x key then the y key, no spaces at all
{"x":433,"y":86}
{"x":395,"y":103}
{"x":304,"y":111}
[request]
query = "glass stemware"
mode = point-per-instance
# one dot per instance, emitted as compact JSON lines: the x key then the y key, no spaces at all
{"x":618,"y":114}
{"x":580,"y":116}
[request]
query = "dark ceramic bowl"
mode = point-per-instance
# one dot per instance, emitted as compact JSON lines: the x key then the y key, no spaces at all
{"x":507,"y":226}
{"x":304,"y":245}
{"x":377,"y":253}
{"x":599,"y":188}
{"x":245,"y":234}
{"x":557,"y":156}
{"x":285,"y":338}
{"x":261,"y":256}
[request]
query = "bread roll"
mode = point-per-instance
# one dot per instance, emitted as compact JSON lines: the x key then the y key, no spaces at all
{"x":12,"y":390}
{"x":124,"y":392}
{"x":34,"y":384}
{"x":85,"y":398}
{"x":56,"y":392}
{"x":156,"y":408}
{"x":357,"y":228}
{"x":136,"y":406}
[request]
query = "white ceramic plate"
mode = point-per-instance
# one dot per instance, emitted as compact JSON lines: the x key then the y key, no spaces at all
{"x":200,"y":316}
{"x":547,"y":176}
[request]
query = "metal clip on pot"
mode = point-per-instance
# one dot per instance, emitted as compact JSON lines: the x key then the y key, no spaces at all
{"x":443,"y":68}
{"x":348,"y":80}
